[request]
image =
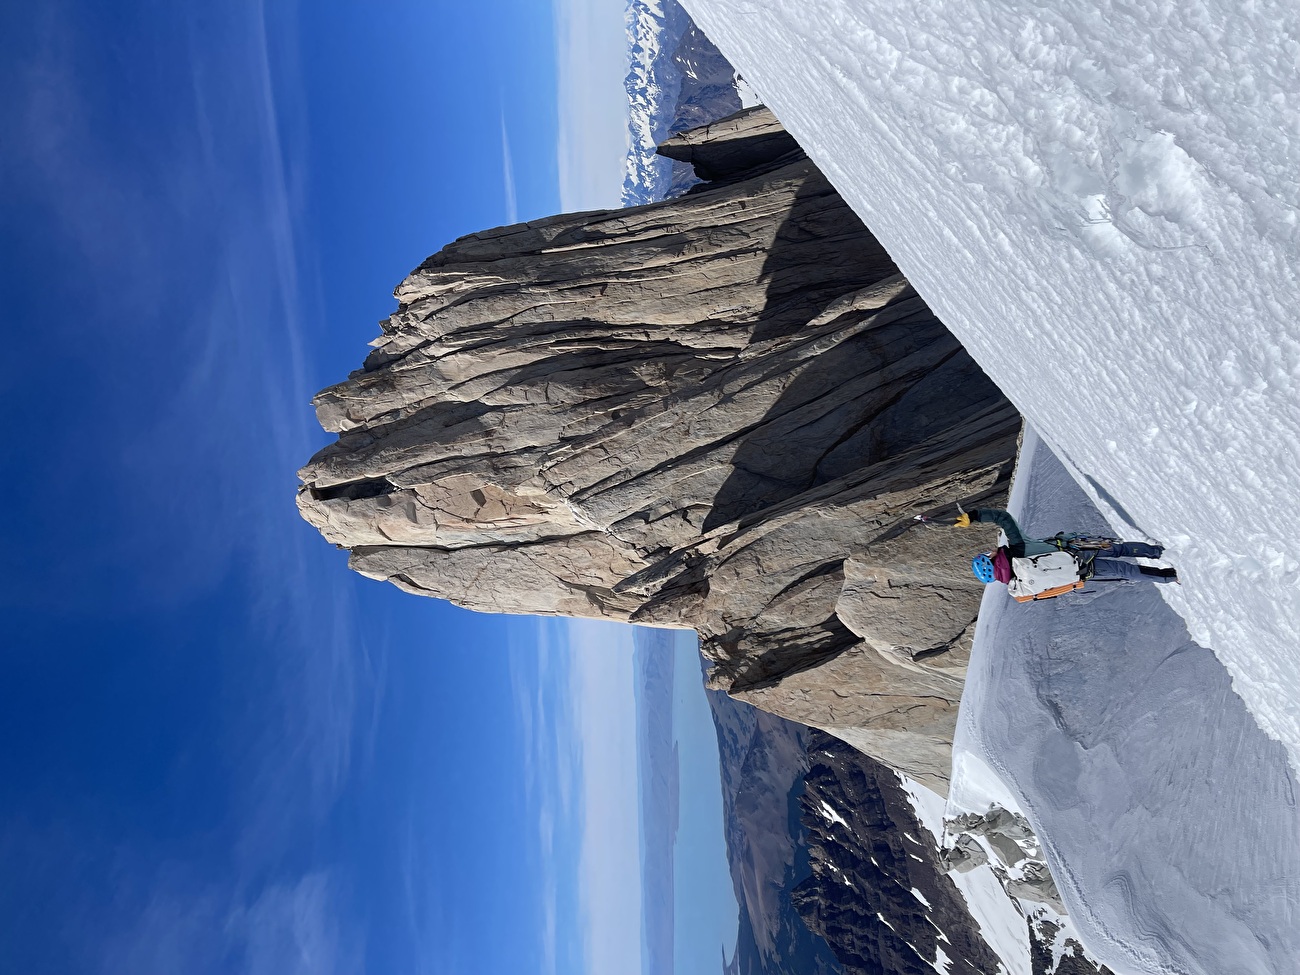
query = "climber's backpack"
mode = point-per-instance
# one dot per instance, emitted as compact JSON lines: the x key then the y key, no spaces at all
{"x":1044,"y":576}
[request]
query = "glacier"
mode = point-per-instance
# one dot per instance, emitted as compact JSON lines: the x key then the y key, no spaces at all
{"x":1169,"y":818}
{"x":1102,"y":200}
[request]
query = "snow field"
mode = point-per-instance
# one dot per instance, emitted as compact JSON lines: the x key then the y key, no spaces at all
{"x":1102,"y":200}
{"x":1168,"y":817}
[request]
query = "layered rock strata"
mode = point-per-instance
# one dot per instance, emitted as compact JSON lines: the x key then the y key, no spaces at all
{"x":720,"y":412}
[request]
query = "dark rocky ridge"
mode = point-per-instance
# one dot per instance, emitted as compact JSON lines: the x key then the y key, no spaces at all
{"x":869,"y":856}
{"x":718,"y":412}
{"x":762,"y":760}
{"x":831,"y":893}
{"x":859,"y":897}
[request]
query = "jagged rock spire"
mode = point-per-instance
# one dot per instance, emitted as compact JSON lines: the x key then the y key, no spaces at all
{"x":719,"y":412}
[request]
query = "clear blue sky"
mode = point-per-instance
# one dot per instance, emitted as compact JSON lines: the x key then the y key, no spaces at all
{"x":220,"y":751}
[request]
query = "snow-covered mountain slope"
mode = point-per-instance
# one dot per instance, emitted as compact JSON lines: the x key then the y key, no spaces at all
{"x":1030,"y":938}
{"x":1102,"y":200}
{"x":1169,"y":818}
{"x":677,"y":80}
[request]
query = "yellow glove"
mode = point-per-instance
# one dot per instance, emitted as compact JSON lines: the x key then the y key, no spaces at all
{"x":963,"y":521}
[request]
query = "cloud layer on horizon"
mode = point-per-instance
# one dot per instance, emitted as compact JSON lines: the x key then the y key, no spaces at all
{"x":579,"y":710}
{"x":593,"y":142}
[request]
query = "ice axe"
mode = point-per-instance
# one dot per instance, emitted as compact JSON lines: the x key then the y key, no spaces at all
{"x":926,"y":519}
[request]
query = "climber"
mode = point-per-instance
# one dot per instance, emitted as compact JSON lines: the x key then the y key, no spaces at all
{"x":1038,"y":568}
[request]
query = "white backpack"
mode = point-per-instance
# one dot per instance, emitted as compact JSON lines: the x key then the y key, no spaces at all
{"x":1044,"y":576}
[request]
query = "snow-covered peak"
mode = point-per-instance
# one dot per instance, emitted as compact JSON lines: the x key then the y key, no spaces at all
{"x":677,"y":80}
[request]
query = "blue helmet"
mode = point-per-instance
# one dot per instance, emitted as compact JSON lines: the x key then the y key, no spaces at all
{"x":982,"y":566}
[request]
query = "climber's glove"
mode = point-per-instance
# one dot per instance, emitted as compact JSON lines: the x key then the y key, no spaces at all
{"x":963,"y":521}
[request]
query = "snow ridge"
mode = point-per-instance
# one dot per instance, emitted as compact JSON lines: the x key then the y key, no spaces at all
{"x":677,"y":80}
{"x":1101,"y":200}
{"x":1169,"y":819}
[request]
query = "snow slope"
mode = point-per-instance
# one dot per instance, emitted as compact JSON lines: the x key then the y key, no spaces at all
{"x":1102,"y":199}
{"x":1168,"y":817}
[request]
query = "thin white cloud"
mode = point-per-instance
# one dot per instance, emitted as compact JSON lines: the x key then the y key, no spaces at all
{"x":197,"y":201}
{"x":187,"y":924}
{"x":292,"y":929}
{"x":592,"y":61}
{"x":508,"y":174}
{"x":231,"y":336}
{"x":551,"y":767}
{"x":329,"y":676}
{"x":609,"y":869}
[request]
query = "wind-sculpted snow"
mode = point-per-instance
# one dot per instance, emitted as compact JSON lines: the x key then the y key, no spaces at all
{"x":1102,"y":200}
{"x":1169,"y":818}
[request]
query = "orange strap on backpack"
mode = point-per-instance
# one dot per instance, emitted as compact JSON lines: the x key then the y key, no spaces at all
{"x":1049,"y":593}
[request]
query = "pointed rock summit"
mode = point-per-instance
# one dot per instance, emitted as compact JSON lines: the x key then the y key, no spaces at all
{"x":719,"y":412}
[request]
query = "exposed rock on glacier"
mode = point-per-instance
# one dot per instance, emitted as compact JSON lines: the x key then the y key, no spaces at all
{"x":1014,"y":846}
{"x":719,"y":412}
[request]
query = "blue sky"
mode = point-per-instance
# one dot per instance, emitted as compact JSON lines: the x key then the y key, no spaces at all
{"x":221,"y":751}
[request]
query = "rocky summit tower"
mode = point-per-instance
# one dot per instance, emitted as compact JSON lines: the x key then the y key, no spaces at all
{"x":721,"y":412}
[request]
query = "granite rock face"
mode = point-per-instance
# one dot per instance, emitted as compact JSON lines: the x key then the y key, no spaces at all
{"x":719,"y":412}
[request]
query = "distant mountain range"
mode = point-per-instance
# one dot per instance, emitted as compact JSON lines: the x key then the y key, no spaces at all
{"x":836,"y":874}
{"x":763,"y":760}
{"x":678,"y":80}
{"x":825,"y":854}
{"x":832,"y":870}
